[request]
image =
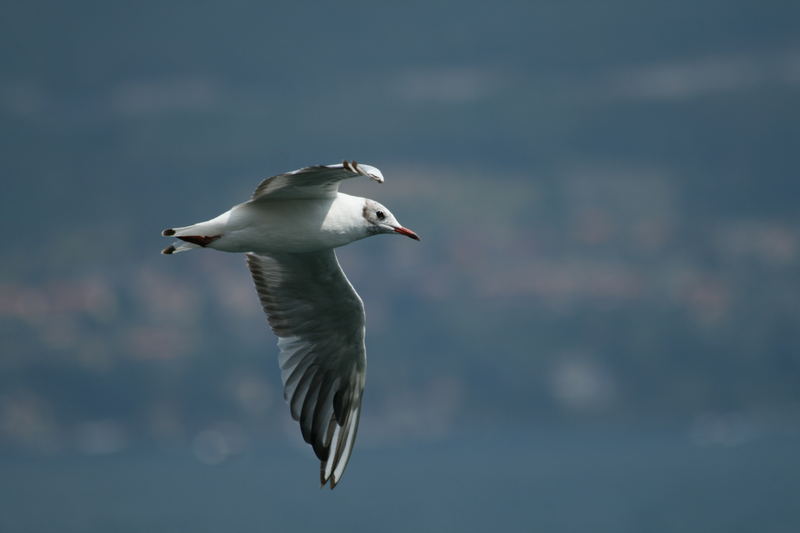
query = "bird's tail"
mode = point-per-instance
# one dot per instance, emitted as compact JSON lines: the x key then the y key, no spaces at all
{"x":178,"y":247}
{"x":190,"y":236}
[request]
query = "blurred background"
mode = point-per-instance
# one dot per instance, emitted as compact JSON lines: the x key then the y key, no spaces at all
{"x":599,"y":331}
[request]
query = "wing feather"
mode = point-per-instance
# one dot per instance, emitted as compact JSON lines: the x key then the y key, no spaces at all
{"x":321,"y":181}
{"x":319,"y":320}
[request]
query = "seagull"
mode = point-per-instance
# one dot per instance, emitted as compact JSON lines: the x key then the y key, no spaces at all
{"x":288,"y":230}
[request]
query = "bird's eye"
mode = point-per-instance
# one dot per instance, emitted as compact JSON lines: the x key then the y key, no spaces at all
{"x":380,"y":215}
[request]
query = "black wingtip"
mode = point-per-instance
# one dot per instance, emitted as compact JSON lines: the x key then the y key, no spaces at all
{"x":169,"y":232}
{"x":168,"y":250}
{"x":329,"y":481}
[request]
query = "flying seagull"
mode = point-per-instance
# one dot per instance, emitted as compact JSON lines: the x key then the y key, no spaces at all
{"x":288,"y":230}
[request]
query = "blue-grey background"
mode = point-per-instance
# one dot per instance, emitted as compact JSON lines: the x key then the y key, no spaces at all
{"x":600,"y":330}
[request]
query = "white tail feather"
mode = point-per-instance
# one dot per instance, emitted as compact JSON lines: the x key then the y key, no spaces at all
{"x":181,"y":246}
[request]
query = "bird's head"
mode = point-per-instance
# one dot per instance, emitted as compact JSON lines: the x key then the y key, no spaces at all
{"x":381,"y":220}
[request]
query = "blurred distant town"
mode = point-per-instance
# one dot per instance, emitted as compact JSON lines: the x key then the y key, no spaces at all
{"x":605,"y":238}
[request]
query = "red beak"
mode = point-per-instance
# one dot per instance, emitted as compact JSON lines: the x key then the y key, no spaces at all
{"x":407,"y":232}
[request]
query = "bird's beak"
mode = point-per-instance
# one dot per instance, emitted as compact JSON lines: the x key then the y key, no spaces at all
{"x":407,"y":232}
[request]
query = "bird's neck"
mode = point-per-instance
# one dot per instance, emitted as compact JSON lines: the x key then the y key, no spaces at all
{"x":345,"y":220}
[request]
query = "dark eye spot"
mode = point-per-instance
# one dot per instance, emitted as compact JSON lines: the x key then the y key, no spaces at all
{"x":380,"y":215}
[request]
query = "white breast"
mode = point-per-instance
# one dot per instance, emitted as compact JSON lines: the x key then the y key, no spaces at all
{"x":292,"y":225}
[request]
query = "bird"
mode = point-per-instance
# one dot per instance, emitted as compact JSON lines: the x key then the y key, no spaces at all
{"x":288,"y":230}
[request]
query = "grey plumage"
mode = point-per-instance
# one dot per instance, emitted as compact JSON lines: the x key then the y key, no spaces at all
{"x":320,"y":326}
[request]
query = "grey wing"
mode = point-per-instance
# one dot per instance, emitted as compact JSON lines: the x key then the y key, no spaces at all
{"x":319,"y":320}
{"x":313,"y":182}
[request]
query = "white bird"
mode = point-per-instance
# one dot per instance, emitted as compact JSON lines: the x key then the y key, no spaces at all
{"x":288,"y":230}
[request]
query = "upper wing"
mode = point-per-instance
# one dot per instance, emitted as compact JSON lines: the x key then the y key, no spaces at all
{"x":313,"y":182}
{"x":319,"y":320}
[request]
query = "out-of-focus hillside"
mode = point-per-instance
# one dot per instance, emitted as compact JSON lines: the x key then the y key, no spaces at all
{"x":606,"y":196}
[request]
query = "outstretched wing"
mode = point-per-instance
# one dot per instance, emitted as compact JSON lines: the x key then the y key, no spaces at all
{"x":319,"y":320}
{"x":320,"y":181}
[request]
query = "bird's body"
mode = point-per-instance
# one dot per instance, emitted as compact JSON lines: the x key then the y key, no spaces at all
{"x":293,"y":225}
{"x":289,"y":230}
